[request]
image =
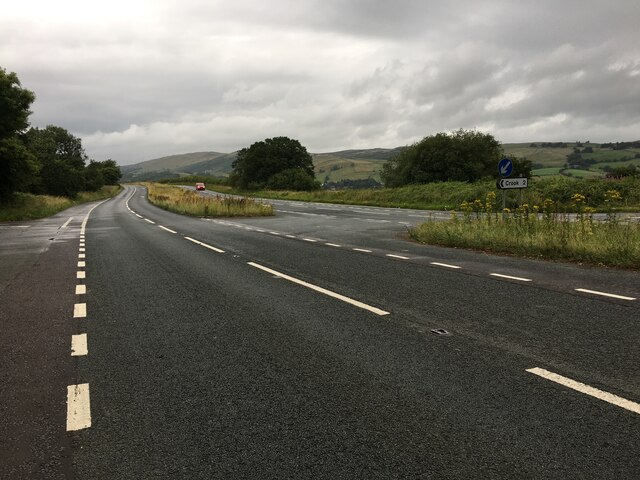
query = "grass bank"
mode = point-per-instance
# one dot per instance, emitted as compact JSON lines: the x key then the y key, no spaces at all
{"x":539,"y":232}
{"x":188,"y":202}
{"x":26,"y":206}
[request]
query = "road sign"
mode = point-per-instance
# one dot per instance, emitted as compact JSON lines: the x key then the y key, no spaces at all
{"x":505,"y":167}
{"x":504,"y":183}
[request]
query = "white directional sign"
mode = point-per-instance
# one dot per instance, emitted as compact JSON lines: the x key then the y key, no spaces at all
{"x":512,"y":183}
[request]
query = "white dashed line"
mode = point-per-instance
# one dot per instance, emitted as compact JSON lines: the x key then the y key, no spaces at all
{"x":259,"y":230}
{"x":150,"y":221}
{"x":396,"y":256}
{"x":290,"y":236}
{"x":167,"y":229}
{"x":78,"y":407}
{"x":587,"y":390}
{"x":362,"y":250}
{"x":351,"y":301}
{"x":82,"y":264}
{"x":520,"y":279}
{"x":80,"y":310}
{"x":81,"y":289}
{"x":81,"y":249}
{"x":274,"y":233}
{"x":611,"y":295}
{"x":309,"y":240}
{"x":79,"y":345}
{"x":204,"y":245}
{"x":333,"y":245}
{"x":444,"y":265}
{"x":139,"y":216}
{"x":81,"y":274}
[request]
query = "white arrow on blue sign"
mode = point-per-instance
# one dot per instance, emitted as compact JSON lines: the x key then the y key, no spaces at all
{"x":505,"y":167}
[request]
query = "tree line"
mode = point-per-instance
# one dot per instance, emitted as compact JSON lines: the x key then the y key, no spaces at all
{"x":47,"y":160}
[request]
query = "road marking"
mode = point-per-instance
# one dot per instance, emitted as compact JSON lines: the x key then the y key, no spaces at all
{"x":167,"y":229}
{"x":86,"y":218}
{"x":81,"y":255}
{"x":79,"y":345}
{"x":587,"y":390}
{"x":274,"y":233}
{"x":139,"y":216}
{"x":362,"y":250}
{"x":290,"y":236}
{"x":81,"y":289}
{"x":64,"y":225}
{"x":81,"y":274}
{"x":444,"y":265}
{"x":309,"y":240}
{"x":397,"y":256}
{"x":80,"y":310}
{"x":259,"y":230}
{"x":510,"y":277}
{"x":204,"y":245}
{"x":356,"y":303}
{"x":333,"y":245}
{"x":595,"y":292}
{"x":82,"y":264}
{"x":81,"y":249}
{"x":82,"y":243}
{"x":78,"y":407}
{"x":150,"y":221}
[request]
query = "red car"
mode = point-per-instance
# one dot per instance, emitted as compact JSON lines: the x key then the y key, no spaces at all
{"x":200,"y":186}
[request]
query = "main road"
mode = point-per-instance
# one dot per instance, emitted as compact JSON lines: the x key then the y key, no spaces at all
{"x":319,"y":343}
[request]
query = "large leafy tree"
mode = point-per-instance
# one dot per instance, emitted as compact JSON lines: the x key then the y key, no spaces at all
{"x":278,"y":161}
{"x":17,"y":165}
{"x":464,"y":155}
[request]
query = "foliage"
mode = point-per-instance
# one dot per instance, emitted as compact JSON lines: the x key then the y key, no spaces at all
{"x":189,"y":202}
{"x":255,"y":166}
{"x":292,"y":179}
{"x":464,"y":155}
{"x":191,"y":179}
{"x":17,"y":166}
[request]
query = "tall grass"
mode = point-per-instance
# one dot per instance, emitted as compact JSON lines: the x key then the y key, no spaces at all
{"x":27,"y":206}
{"x":188,"y":202}
{"x":540,"y":231}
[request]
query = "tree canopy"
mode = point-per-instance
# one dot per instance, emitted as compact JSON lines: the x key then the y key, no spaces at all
{"x":464,"y":155}
{"x":278,"y":163}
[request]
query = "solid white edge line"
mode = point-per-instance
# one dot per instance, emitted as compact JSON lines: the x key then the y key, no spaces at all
{"x":444,"y":265}
{"x":79,"y":345}
{"x":81,"y":289}
{"x":167,"y":229}
{"x":78,"y":407}
{"x":510,"y":277}
{"x":362,"y":250}
{"x":79,"y":310}
{"x":198,"y":242}
{"x":604,"y":294}
{"x":587,"y":390}
{"x":396,"y":256}
{"x":351,"y":301}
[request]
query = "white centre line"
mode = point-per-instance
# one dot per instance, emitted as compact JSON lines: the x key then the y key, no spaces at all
{"x":81,"y":274}
{"x":362,"y":250}
{"x":444,"y":265}
{"x":290,"y":236}
{"x":333,"y":245}
{"x":167,"y":229}
{"x":138,"y":215}
{"x":79,"y":345}
{"x":397,"y":256}
{"x":80,"y":310}
{"x":150,"y":221}
{"x":82,"y":264}
{"x":81,"y":289}
{"x":351,"y":301}
{"x":587,"y":390}
{"x":309,"y":240}
{"x":274,"y":233}
{"x":604,"y":294}
{"x":204,"y":245}
{"x":78,"y":407}
{"x":510,"y":277}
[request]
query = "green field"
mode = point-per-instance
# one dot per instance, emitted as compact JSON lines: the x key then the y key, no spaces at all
{"x":543,"y":172}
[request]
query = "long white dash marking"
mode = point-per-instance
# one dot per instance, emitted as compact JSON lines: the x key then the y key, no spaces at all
{"x":604,"y":294}
{"x":81,"y":274}
{"x":444,"y":265}
{"x":80,"y":310}
{"x":397,"y":256}
{"x":204,"y":245}
{"x":64,"y":225}
{"x":333,"y":245}
{"x":79,"y":345}
{"x":274,"y":233}
{"x":362,"y":250}
{"x":309,"y":240}
{"x":290,"y":236}
{"x":150,"y":221}
{"x":81,"y":289}
{"x":587,"y":390}
{"x":167,"y":229}
{"x":351,"y":301}
{"x":509,"y":277}
{"x":78,"y":407}
{"x":138,"y":215}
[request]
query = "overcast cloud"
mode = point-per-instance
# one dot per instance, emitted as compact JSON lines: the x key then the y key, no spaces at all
{"x":141,"y":79}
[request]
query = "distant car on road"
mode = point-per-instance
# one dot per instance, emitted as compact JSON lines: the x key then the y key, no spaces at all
{"x":200,"y":186}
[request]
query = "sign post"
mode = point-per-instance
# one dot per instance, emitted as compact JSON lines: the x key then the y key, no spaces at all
{"x":505,"y":168}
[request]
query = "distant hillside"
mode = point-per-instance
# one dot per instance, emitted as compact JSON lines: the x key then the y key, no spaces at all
{"x":558,"y":158}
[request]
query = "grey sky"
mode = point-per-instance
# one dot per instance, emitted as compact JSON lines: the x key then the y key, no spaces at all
{"x":141,"y":79}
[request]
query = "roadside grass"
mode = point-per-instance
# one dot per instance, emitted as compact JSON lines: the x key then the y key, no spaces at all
{"x":189,"y":202}
{"x":539,"y":232}
{"x":27,"y":206}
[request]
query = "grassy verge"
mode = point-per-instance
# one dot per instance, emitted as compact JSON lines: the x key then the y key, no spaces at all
{"x":26,"y":206}
{"x":541,"y":233}
{"x":188,"y":202}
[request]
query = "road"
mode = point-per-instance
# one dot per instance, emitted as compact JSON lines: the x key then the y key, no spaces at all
{"x":318,"y":343}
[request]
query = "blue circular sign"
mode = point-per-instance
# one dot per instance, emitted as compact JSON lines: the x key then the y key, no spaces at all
{"x":505,"y":167}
